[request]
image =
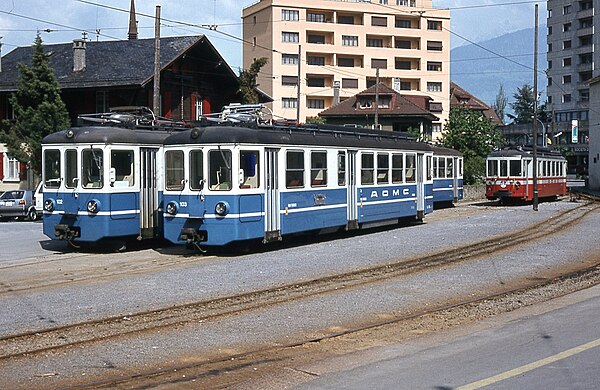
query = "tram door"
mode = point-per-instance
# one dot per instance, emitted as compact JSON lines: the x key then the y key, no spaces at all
{"x":272,"y":216}
{"x":352,"y":191}
{"x":456,"y":170}
{"x":420,"y":186}
{"x":148,"y":193}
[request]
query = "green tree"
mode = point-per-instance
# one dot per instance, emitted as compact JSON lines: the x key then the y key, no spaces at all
{"x":39,"y":110}
{"x":471,"y":133}
{"x":248,"y":81}
{"x":500,"y":103}
{"x":523,"y":104}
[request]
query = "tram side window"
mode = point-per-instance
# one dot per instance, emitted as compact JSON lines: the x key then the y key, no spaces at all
{"x":249,"y":168}
{"x":318,"y":169}
{"x":196,"y":170}
{"x":492,"y":167}
{"x":450,"y":168}
{"x":429,"y":162}
{"x":52,"y":168}
{"x":515,"y":168}
{"x":460,"y":167}
{"x":294,"y":170}
{"x":367,"y":168}
{"x":435,"y":167}
{"x":174,"y":175}
{"x":397,"y":168}
{"x":71,"y":168}
{"x":92,"y":170}
{"x":410,"y":168}
{"x":121,"y":161}
{"x":341,"y":168}
{"x":383,"y":168}
{"x":219,"y":170}
{"x":442,"y":168}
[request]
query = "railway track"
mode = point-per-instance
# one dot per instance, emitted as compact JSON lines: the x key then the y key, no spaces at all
{"x":40,"y":341}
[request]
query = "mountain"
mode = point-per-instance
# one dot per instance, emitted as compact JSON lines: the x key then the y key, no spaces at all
{"x":481,"y":72}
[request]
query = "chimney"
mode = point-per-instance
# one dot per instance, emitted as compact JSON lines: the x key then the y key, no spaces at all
{"x":133,"y":32}
{"x":78,"y":55}
{"x":336,"y":92}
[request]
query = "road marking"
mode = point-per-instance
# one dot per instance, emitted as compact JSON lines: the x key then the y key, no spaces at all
{"x":531,"y":366}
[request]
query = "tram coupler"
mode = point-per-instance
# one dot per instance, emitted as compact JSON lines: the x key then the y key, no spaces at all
{"x":191,"y":235}
{"x":66,"y":232}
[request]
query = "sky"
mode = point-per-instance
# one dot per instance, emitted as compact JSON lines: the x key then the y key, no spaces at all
{"x":61,"y":21}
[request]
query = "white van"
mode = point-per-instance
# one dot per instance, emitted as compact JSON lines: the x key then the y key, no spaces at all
{"x":38,"y":200}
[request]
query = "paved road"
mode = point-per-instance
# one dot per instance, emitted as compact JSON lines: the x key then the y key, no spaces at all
{"x":24,"y":239}
{"x":555,"y":345}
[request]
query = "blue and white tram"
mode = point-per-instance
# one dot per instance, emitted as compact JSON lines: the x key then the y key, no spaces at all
{"x":225,"y":184}
{"x":102,"y":182}
{"x":447,"y":176}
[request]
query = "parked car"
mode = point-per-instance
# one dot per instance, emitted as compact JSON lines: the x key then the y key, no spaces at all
{"x":38,"y":200}
{"x":18,"y":204}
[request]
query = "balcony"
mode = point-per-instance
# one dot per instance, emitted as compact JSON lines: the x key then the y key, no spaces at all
{"x":585,"y":31}
{"x":586,"y":13}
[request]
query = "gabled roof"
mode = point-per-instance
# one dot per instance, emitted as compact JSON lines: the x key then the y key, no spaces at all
{"x":460,"y":97}
{"x":109,"y":63}
{"x":399,"y":105}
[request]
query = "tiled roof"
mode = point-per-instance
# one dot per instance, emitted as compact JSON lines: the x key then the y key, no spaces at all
{"x":460,"y":97}
{"x":108,"y":63}
{"x":400,"y":105}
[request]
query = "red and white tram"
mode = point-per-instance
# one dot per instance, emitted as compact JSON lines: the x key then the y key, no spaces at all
{"x":509,"y":174}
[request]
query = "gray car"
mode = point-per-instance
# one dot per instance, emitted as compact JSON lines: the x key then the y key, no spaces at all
{"x":18,"y":204}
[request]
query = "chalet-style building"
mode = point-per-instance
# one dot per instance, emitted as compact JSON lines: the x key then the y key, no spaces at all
{"x":395,"y":112}
{"x":460,"y":97}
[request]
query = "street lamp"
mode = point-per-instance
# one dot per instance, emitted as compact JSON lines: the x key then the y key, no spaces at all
{"x":543,"y":132}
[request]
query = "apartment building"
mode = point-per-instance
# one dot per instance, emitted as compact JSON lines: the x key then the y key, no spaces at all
{"x":324,"y":51}
{"x":572,"y":61}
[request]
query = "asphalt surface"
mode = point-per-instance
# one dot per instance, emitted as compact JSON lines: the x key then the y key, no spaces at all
{"x":555,"y":345}
{"x":208,"y":277}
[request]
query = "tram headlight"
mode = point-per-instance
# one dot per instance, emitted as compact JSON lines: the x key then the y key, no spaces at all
{"x":49,"y":205}
{"x":172,"y":208}
{"x":222,"y":208}
{"x":93,"y":206}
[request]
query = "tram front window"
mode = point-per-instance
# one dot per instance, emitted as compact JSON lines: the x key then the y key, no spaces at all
{"x":52,"y":168}
{"x":174,"y":170}
{"x":92,"y":171}
{"x":219,"y":168}
{"x":515,"y":168}
{"x":492,"y":166}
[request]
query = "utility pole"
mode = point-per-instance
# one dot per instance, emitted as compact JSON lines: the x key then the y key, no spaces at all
{"x":377,"y":98}
{"x":535,"y":108}
{"x":156,"y":96}
{"x":299,"y":78}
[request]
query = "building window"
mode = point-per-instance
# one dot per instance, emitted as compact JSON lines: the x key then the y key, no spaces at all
{"x":378,"y":63}
{"x":289,"y":80}
{"x":586,"y":58}
{"x":374,"y":42}
{"x":436,"y":127}
{"x":403,"y":65}
{"x":549,"y":30}
{"x":345,"y":19}
{"x":549,"y":81}
{"x":291,"y":37}
{"x":315,"y":82}
{"x":401,"y":44}
{"x":567,"y":61}
{"x":566,"y":98}
{"x":566,"y":27}
{"x":549,"y":64}
{"x":318,"y":39}
{"x":13,"y":169}
{"x":586,"y":23}
{"x":549,"y":47}
{"x":349,"y":40}
{"x":289,"y":59}
{"x":566,"y":9}
{"x":345,"y":62}
{"x":403,"y":23}
{"x":316,"y":103}
{"x":384,"y":2}
{"x":585,"y":76}
{"x":567,"y":79}
{"x":290,"y":15}
{"x":379,"y":21}
{"x":102,"y":101}
{"x":405,"y":85}
{"x":434,"y":25}
{"x":350,"y":83}
{"x":316,"y":18}
{"x":434,"y":45}
{"x":434,"y":66}
{"x":567,"y":44}
{"x":315,"y":60}
{"x":549,"y":99}
{"x":289,"y":103}
{"x":434,"y":86}
{"x":584,"y":95}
